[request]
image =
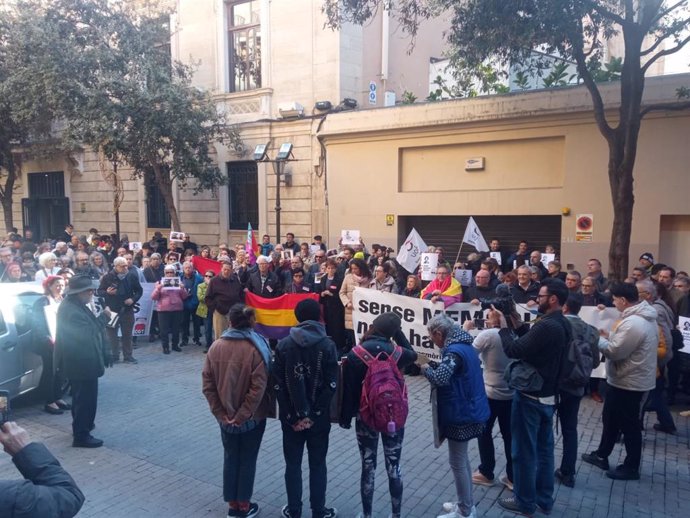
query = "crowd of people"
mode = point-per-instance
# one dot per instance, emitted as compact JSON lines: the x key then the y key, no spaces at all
{"x":510,"y":372}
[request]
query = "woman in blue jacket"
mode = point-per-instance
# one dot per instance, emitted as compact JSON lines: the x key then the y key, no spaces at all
{"x":463,"y":407}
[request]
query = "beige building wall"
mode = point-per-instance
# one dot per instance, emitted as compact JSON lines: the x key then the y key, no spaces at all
{"x":543,"y":153}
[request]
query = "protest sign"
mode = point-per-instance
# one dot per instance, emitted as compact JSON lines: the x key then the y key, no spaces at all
{"x":464,"y":277}
{"x":135,"y":246}
{"x":547,"y":258}
{"x":428,"y":267}
{"x":684,"y":328}
{"x":177,"y":237}
{"x":349,"y":237}
{"x":601,"y":319}
{"x":497,"y":256}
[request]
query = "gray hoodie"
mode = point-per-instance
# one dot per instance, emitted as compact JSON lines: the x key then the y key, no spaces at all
{"x":631,"y":349}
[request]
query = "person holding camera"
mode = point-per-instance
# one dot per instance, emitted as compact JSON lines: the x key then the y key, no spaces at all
{"x":121,"y":289}
{"x":534,"y":377}
{"x":46,"y":490}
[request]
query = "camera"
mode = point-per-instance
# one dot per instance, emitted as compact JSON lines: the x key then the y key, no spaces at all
{"x":503,"y":302}
{"x":4,"y":406}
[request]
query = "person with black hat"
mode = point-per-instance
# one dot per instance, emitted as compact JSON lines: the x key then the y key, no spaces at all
{"x":81,"y":356}
{"x":376,"y":343}
{"x":305,"y":376}
{"x":647,"y":261}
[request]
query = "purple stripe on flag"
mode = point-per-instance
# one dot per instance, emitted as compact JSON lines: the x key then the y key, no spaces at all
{"x":276,"y":332}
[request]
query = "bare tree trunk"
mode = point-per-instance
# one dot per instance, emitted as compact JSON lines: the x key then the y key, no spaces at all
{"x":164,"y":183}
{"x":7,"y":191}
{"x":623,"y":202}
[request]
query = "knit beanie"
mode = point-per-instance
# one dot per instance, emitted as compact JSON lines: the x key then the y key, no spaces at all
{"x":387,"y":324}
{"x":308,"y":309}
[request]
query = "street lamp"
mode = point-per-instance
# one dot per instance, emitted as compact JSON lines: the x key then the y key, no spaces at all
{"x":284,"y":155}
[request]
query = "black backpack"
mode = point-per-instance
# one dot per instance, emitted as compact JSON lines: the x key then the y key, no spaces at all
{"x":579,"y":360}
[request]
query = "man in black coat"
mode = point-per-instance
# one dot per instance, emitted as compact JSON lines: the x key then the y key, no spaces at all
{"x":305,"y":375}
{"x":262,"y":281}
{"x":47,"y":489}
{"x":121,"y":290}
{"x":81,"y":356}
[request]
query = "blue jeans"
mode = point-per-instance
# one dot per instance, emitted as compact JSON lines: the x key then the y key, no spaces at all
{"x":533,"y":460}
{"x":658,"y":403}
{"x":239,"y":465}
{"x":316,"y":440}
{"x":567,"y":415}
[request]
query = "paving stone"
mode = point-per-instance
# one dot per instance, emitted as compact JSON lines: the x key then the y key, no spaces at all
{"x":163,"y":456}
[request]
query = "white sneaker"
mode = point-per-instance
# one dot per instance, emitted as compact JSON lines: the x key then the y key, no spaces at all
{"x":455,"y":511}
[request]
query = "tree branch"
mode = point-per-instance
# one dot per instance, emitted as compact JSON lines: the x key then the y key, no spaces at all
{"x":595,"y":6}
{"x":677,"y":106}
{"x":666,"y":11}
{"x":663,"y":53}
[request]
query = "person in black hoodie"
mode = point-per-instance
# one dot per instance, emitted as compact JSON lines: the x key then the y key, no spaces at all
{"x":376,"y":340}
{"x":306,"y":373}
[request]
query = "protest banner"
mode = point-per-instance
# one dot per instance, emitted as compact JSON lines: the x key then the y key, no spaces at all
{"x":416,"y":313}
{"x":142,"y":318}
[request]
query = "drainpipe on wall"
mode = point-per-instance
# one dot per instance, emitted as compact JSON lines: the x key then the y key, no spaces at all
{"x":385,"y":32}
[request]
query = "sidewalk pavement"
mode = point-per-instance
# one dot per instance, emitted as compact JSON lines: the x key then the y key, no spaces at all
{"x":163,"y":456}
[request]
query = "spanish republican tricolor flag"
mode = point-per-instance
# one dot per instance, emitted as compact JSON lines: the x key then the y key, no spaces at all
{"x":275,"y":317}
{"x":251,"y":246}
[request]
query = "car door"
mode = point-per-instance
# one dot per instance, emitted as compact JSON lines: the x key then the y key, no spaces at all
{"x":11,"y":368}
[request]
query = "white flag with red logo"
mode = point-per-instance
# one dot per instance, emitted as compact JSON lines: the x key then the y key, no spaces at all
{"x":411,"y":251}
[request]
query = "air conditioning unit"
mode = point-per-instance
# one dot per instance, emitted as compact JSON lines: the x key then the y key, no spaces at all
{"x":292,"y":110}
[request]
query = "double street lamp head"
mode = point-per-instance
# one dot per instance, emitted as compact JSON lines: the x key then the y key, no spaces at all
{"x":284,"y":152}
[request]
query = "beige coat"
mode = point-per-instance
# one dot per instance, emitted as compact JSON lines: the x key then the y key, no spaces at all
{"x":346,"y":290}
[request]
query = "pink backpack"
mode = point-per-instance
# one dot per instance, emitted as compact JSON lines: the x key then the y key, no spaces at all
{"x":383,"y":405}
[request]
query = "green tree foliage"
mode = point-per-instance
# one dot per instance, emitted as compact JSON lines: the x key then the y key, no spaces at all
{"x":577,"y":31}
{"x":104,"y":71}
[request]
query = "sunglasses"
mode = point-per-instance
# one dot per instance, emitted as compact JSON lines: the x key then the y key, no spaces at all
{"x":209,"y":276}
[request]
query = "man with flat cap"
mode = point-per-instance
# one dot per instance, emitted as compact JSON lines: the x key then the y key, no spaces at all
{"x":81,"y":356}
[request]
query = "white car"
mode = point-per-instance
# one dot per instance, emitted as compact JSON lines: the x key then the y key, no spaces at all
{"x":20,"y":369}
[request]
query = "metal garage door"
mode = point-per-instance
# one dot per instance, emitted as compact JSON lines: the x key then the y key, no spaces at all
{"x":447,"y":231}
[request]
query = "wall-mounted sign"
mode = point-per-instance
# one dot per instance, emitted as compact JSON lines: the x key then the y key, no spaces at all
{"x":584,"y":227}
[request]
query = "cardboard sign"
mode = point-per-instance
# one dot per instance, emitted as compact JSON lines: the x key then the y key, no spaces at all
{"x":428,"y":266}
{"x":464,"y":277}
{"x":177,"y":237}
{"x":349,"y":237}
{"x":547,"y":258}
{"x":684,"y":328}
{"x":497,"y":256}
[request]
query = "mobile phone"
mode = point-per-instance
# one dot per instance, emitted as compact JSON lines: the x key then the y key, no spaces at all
{"x":4,"y":406}
{"x":479,"y":323}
